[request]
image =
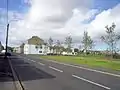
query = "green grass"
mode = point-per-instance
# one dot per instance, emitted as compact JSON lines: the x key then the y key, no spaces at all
{"x":92,"y":61}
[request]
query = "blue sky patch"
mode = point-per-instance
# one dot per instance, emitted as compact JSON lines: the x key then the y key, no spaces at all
{"x":104,"y":4}
{"x":14,"y":5}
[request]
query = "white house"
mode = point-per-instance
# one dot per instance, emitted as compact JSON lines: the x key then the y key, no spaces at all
{"x":35,"y":45}
{"x":36,"y":49}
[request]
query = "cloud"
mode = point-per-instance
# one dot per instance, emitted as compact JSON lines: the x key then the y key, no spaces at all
{"x":2,"y":24}
{"x":106,"y":17}
{"x":13,"y":16}
{"x":46,"y":18}
{"x":60,"y":18}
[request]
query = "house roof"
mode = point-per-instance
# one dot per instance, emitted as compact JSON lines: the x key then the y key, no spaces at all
{"x":35,"y":40}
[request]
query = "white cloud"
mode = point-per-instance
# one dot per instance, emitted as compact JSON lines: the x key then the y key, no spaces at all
{"x":59,"y":18}
{"x":13,"y":16}
{"x":46,"y":18}
{"x":2,"y":24}
{"x":106,"y":17}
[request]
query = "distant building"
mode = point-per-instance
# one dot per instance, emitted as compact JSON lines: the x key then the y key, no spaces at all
{"x":35,"y":45}
{"x":22,"y":48}
{"x":16,"y":50}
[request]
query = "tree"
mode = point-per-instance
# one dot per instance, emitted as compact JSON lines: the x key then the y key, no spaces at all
{"x":54,"y":49}
{"x":68,"y":42}
{"x":87,"y":42}
{"x":1,"y":47}
{"x":63,"y":49}
{"x":58,"y":47}
{"x":111,"y":39}
{"x":80,"y":48}
{"x":46,"y":48}
{"x":50,"y":43}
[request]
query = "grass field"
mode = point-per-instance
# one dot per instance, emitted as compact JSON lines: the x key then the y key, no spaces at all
{"x":92,"y":61}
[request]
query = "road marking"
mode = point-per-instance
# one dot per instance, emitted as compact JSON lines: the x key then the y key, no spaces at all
{"x":41,"y":63}
{"x":28,"y":59}
{"x":33,"y":61}
{"x":93,"y":70}
{"x":55,"y":69}
{"x":97,"y":84}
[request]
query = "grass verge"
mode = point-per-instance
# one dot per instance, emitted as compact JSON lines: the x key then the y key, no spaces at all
{"x":92,"y":61}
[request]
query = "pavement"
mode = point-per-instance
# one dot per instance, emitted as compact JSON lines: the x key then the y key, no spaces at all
{"x":6,"y":81}
{"x":39,"y":74}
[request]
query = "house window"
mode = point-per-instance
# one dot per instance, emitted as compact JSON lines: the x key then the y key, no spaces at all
{"x":36,"y":47}
{"x":40,"y":47}
{"x":40,"y":51}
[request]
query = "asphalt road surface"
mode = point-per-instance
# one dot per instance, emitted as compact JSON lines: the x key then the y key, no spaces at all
{"x":38,"y":74}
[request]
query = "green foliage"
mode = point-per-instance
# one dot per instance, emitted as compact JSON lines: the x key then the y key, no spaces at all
{"x":64,"y":49}
{"x":1,"y":47}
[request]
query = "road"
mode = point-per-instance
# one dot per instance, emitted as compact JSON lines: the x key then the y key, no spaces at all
{"x":38,"y":74}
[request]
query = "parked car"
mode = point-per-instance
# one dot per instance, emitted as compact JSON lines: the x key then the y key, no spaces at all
{"x":3,"y":53}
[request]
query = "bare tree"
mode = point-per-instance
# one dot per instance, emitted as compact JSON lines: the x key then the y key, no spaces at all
{"x":68,"y":42}
{"x":87,"y":42}
{"x":45,"y":48}
{"x":58,"y":47}
{"x":111,"y":39}
{"x":50,"y":43}
{"x":54,"y":49}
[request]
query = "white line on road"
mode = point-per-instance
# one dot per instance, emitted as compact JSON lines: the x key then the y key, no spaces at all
{"x":33,"y":61}
{"x":28,"y":59}
{"x":93,"y":70}
{"x":41,"y":63}
{"x":55,"y":69}
{"x":91,"y":82}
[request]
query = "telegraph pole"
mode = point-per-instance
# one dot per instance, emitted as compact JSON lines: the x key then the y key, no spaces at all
{"x":6,"y":50}
{"x":7,"y":39}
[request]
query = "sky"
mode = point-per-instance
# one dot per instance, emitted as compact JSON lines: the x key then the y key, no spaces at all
{"x":58,"y":19}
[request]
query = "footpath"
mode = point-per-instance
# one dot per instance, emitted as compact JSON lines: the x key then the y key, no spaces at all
{"x":6,"y":79}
